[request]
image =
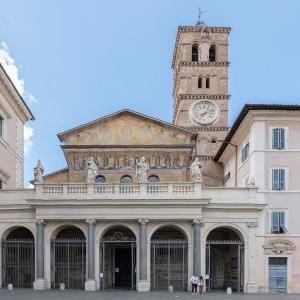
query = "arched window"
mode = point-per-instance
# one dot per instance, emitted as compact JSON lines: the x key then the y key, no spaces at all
{"x":100,"y":179}
{"x":153,"y":178}
{"x":207,"y":83}
{"x":212,"y":53}
{"x":213,"y":140}
{"x":199,"y":82}
{"x":195,"y":54}
{"x":126,"y":179}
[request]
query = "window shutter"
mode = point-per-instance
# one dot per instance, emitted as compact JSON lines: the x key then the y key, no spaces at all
{"x":282,"y":139}
{"x":282,"y":219}
{"x":275,"y":179}
{"x":275,"y":142}
{"x":275,"y":222}
{"x":281,"y":179}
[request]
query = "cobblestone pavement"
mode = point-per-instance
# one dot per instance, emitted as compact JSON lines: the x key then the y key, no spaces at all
{"x":19,"y":294}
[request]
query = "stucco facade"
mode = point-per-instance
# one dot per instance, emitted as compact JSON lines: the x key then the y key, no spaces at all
{"x":13,"y":115}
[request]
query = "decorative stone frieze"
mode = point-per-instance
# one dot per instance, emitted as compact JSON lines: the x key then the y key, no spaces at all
{"x":279,"y":247}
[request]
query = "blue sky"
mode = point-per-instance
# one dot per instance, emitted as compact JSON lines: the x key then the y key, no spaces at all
{"x":80,"y":60}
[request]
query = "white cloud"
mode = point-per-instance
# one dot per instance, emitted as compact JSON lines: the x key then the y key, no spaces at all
{"x":28,"y":143}
{"x":12,"y":70}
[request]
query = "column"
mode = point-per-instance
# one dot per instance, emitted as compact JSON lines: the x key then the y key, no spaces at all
{"x":251,"y":284}
{"x":196,"y":248}
{"x":40,"y":283}
{"x":143,"y":284}
{"x":90,"y":284}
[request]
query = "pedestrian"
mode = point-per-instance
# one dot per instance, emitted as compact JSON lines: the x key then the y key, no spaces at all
{"x":200,"y":285}
{"x":194,"y":281}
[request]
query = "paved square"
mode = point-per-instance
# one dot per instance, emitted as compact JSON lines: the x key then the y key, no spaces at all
{"x":20,"y":294}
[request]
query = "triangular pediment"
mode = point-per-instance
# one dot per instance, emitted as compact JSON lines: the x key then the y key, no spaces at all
{"x":127,"y":128}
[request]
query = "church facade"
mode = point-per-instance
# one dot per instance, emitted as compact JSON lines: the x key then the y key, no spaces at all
{"x":143,"y":204}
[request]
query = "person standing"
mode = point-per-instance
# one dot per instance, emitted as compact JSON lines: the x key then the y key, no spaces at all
{"x":194,"y":281}
{"x":200,"y":285}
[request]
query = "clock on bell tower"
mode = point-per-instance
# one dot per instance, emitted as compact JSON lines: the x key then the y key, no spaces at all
{"x":200,"y":64}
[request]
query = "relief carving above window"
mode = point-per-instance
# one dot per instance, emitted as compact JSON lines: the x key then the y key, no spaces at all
{"x":279,"y":247}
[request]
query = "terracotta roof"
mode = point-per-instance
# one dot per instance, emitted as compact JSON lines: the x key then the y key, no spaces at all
{"x":242,"y":115}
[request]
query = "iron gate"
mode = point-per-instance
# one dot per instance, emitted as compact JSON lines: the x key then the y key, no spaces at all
{"x":236,"y":277}
{"x":106,"y":262}
{"x":68,"y":263}
{"x":169,"y":264}
{"x":18,"y":263}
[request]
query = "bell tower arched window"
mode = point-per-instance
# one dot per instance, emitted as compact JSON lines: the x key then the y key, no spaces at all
{"x":212,"y":53}
{"x":207,"y":83}
{"x":195,"y":52}
{"x":199,"y":82}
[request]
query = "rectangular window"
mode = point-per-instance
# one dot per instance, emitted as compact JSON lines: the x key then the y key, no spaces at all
{"x":226,"y":177}
{"x":278,"y":223}
{"x":278,"y":179}
{"x":199,"y":82}
{"x":1,"y":126}
{"x":207,"y":83}
{"x":278,"y":138}
{"x":245,"y":152}
{"x":277,"y":275}
{"x":1,"y":184}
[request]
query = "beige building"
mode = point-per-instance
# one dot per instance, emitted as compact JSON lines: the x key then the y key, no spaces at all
{"x":143,"y":204}
{"x":13,"y":115}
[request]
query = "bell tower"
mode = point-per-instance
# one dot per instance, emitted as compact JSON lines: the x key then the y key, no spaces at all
{"x":200,"y":64}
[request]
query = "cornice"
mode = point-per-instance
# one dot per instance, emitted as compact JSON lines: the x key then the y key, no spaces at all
{"x":210,"y":128}
{"x":99,"y":148}
{"x":204,"y":63}
{"x":202,"y":96}
{"x":206,"y":157}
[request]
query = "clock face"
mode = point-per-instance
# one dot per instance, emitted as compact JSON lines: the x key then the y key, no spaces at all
{"x":204,"y":112}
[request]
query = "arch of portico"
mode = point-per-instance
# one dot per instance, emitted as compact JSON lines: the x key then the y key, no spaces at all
{"x":246,"y":233}
{"x":17,"y":253}
{"x":10,"y":227}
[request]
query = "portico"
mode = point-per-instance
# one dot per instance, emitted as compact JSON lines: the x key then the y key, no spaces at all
{"x":143,"y":222}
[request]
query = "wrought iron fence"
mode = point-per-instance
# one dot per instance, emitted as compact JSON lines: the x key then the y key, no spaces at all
{"x":68,"y":263}
{"x":225,"y":274}
{"x":18,"y":264}
{"x":169,"y":264}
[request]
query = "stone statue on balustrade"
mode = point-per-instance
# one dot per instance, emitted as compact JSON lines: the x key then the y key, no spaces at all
{"x":142,"y":168}
{"x":92,"y":170}
{"x":38,"y":172}
{"x":196,"y":169}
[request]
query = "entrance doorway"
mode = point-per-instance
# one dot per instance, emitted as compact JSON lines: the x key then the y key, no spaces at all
{"x":277,"y":275}
{"x":169,"y":260}
{"x":68,"y":259}
{"x":18,"y":263}
{"x":118,"y":259}
{"x":224,"y":260}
